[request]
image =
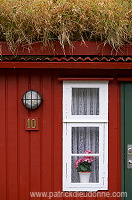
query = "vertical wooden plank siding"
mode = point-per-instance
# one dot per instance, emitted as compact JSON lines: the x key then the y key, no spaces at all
{"x":47,"y":150}
{"x":23,"y":155}
{"x":3,"y":175}
{"x":31,"y":161}
{"x":123,"y":159}
{"x":35,"y":139}
{"x":57,"y":130}
{"x":11,"y":123}
{"x":114,"y":176}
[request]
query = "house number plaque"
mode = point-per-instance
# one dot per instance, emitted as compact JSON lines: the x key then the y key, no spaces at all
{"x":31,"y":123}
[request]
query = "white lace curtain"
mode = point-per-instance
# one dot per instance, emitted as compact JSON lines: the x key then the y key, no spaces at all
{"x":85,"y":101}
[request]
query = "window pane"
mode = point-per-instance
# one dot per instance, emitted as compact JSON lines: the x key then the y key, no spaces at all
{"x":93,"y":175}
{"x":85,"y":138}
{"x":85,"y":101}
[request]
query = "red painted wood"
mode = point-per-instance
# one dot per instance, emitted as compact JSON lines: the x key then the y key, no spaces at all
{"x":89,"y":48}
{"x":57,"y":132}
{"x":35,"y":172}
{"x":67,"y":65}
{"x":125,"y":79}
{"x":46,"y":133}
{"x":32,"y":160}
{"x":114,"y":138}
{"x":85,"y":79}
{"x":12,"y":135}
{"x":23,"y":139}
{"x":3,"y":143}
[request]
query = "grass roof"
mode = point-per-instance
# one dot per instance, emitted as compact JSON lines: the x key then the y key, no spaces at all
{"x":27,"y":21}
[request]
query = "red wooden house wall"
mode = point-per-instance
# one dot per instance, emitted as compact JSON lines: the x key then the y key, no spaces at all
{"x":31,"y":161}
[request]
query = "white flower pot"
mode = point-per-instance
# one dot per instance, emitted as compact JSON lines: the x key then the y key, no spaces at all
{"x":84,"y":177}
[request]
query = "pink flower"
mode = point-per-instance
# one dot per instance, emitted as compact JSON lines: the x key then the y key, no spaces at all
{"x":88,"y":159}
{"x":88,"y":151}
{"x":77,"y":162}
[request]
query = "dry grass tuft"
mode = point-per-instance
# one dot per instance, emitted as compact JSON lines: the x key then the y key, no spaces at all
{"x":25,"y":21}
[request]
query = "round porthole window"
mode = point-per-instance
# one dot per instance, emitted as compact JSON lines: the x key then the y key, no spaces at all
{"x":32,"y":99}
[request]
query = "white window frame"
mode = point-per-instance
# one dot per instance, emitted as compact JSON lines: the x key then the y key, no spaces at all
{"x":103,"y":97}
{"x":100,"y":121}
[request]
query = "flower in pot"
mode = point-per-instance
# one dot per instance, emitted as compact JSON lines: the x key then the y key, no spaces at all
{"x":84,"y":166}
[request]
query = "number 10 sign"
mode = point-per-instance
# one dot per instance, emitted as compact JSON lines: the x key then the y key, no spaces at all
{"x":31,"y":123}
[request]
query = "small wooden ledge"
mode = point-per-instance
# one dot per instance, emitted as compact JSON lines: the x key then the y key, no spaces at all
{"x":125,"y":79}
{"x":85,"y":79}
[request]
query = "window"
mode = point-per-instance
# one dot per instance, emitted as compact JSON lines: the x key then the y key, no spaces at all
{"x":85,"y":129}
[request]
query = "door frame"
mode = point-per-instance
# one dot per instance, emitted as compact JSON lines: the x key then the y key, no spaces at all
{"x":123,"y":136}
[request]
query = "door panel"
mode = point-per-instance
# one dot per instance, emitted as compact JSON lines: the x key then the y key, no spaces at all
{"x":127,"y":137}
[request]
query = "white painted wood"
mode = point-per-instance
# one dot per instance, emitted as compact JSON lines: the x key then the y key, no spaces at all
{"x":103,"y":102}
{"x":100,"y":121}
{"x":85,"y":154}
